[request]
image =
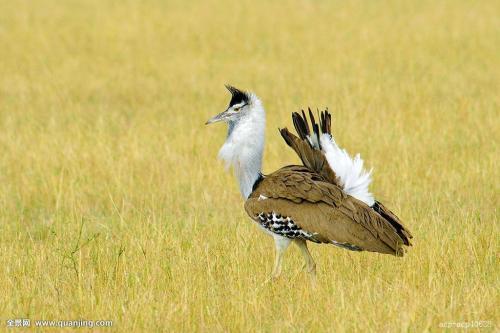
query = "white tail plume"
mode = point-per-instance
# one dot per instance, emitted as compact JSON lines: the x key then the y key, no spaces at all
{"x":354,"y":179}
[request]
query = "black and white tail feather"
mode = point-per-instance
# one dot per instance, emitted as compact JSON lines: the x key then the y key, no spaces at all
{"x":349,"y":172}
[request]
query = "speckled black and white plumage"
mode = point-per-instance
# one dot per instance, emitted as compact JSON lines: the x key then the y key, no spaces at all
{"x":283,"y":226}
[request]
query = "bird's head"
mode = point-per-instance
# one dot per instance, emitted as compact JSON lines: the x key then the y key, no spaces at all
{"x":240,"y":106}
{"x":244,"y":143}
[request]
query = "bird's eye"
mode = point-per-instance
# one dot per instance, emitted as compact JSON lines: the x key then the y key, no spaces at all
{"x":238,"y":108}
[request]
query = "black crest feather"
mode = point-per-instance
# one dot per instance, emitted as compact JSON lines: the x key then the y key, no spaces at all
{"x":237,"y":96}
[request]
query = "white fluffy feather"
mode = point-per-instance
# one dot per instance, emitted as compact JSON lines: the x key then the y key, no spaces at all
{"x":244,"y":146}
{"x":353,"y":177}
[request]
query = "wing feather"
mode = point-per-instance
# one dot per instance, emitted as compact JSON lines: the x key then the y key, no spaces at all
{"x":319,"y":152}
{"x":323,"y":209}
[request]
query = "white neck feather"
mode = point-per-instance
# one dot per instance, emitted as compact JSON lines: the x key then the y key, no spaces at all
{"x":244,"y":146}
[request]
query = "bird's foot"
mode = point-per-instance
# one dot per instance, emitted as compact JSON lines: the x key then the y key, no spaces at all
{"x":314,"y":280}
{"x":311,"y":270}
{"x":275,"y":276}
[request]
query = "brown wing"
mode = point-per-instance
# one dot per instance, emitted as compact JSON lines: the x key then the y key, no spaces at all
{"x":323,"y":210}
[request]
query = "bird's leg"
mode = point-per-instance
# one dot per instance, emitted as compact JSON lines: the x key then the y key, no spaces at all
{"x":281,"y":244}
{"x":309,"y":261}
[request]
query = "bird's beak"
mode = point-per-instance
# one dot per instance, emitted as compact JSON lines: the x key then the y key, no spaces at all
{"x":220,"y":117}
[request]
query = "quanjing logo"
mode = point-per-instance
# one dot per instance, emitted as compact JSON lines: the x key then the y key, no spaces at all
{"x":59,"y":323}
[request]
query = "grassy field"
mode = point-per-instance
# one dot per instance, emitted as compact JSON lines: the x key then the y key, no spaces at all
{"x":113,"y":205}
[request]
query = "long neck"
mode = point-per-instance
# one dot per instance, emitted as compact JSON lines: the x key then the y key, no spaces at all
{"x":244,"y":147}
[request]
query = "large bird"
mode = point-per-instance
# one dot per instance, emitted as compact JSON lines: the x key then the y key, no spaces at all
{"x":325,"y":200}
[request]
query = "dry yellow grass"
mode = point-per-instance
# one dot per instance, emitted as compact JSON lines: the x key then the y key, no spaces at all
{"x":112,"y":203}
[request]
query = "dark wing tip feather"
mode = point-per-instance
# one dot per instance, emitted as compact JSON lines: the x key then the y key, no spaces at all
{"x":300,"y":125}
{"x":326,"y":122}
{"x":305,"y":121}
{"x":287,"y":136}
{"x":390,"y":217}
{"x":315,"y":127}
{"x":311,"y":156}
{"x":311,"y":116}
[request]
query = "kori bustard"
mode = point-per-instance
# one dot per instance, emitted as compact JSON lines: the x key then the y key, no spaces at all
{"x":325,"y":200}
